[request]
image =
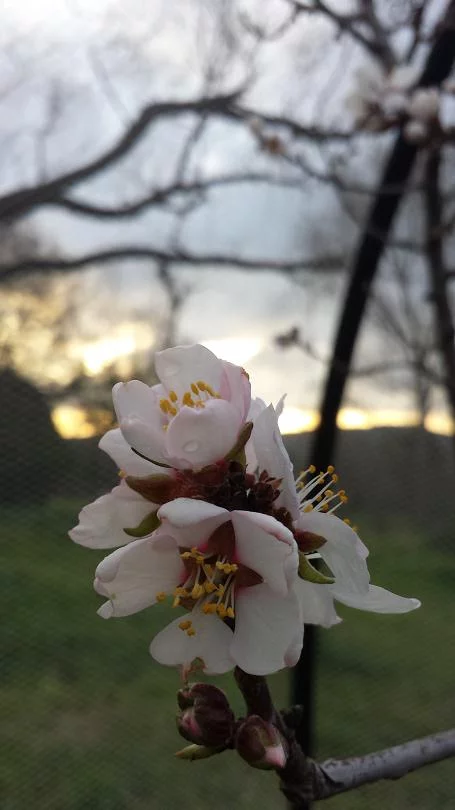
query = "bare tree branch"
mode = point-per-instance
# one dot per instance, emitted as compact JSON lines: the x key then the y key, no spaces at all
{"x":8,"y":271}
{"x":164,"y":195}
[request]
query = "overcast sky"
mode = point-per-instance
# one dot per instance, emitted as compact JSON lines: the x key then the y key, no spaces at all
{"x":56,"y":53}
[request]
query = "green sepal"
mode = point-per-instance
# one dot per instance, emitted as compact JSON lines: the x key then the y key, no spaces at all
{"x":311,"y":574}
{"x":237,"y":453}
{"x":146,"y":526}
{"x":193,"y":752}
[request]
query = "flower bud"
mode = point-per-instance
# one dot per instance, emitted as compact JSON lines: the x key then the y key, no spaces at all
{"x":260,"y":744}
{"x":206,"y":717}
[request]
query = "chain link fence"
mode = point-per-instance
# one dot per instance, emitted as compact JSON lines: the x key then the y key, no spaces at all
{"x":88,"y":717}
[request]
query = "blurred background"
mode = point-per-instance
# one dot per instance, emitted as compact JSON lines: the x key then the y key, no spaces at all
{"x":201,"y":171}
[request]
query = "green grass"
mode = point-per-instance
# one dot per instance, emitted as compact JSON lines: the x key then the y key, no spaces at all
{"x":88,"y":717}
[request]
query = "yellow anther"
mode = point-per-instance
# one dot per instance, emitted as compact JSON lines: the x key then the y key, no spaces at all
{"x":219,"y":565}
{"x":191,"y":631}
{"x":234,"y":567}
{"x":161,"y":596}
{"x":344,"y":498}
{"x":122,"y":474}
{"x":334,"y":478}
{"x":329,"y":493}
{"x":199,"y":559}
{"x":308,"y":507}
{"x":221,"y":610}
{"x":172,"y":410}
{"x":201,"y":385}
{"x":210,"y":587}
{"x":185,"y":555}
{"x":180,"y":591}
{"x":324,"y":507}
{"x":311,"y":468}
{"x":330,"y":469}
{"x":220,"y":590}
{"x":347,"y":521}
{"x":208,"y":570}
{"x":165,"y":405}
{"x":188,"y":400}
{"x":209,"y":607}
{"x":230,"y":613}
{"x":173,"y":396}
{"x":194,"y":389}
{"x":355,"y":529}
{"x":341,"y":492}
{"x":210,"y":390}
{"x":176,"y":602}
{"x":185,"y":625}
{"x":197,"y":591}
{"x":194,"y":551}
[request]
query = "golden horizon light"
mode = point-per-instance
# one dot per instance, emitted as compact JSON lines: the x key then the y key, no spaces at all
{"x":73,"y":421}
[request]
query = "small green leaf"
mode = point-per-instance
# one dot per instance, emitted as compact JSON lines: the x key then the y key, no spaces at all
{"x":237,"y":453}
{"x":311,"y":574}
{"x":194,"y":751}
{"x":146,"y":526}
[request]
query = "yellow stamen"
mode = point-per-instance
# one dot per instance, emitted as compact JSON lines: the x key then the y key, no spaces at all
{"x":230,"y":613}
{"x":185,"y":625}
{"x":165,"y":405}
{"x":185,"y":555}
{"x":173,"y":396}
{"x":308,"y":507}
{"x":194,"y":389}
{"x":330,"y":469}
{"x":191,"y":631}
{"x":188,"y":400}
{"x":161,"y":596}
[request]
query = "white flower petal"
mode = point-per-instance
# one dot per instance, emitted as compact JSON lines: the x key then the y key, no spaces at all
{"x":235,"y":387}
{"x":146,"y":439}
{"x":272,"y":456}
{"x":102,"y":522}
{"x":180,"y":366}
{"x":376,"y":600}
{"x":134,"y":398}
{"x":115,"y":445}
{"x":267,"y":547}
{"x":343,"y":552}
{"x":316,"y":604}
{"x":268,"y":631}
{"x":192,"y":521}
{"x":256,"y":407}
{"x":201,"y":436}
{"x":173,"y":647}
{"x":133,"y":576}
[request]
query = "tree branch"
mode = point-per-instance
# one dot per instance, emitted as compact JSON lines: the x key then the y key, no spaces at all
{"x":37,"y":264}
{"x":163,"y":195}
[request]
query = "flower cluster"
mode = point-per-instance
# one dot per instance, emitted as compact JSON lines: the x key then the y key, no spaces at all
{"x":208,"y":516}
{"x":383,"y":101}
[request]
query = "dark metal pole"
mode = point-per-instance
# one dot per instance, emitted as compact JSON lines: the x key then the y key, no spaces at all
{"x":365,"y":264}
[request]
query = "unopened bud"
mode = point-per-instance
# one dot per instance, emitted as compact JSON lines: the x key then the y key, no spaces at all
{"x":206,"y":717}
{"x":260,"y":744}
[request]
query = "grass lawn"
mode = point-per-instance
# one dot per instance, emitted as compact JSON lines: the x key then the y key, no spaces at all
{"x":88,"y":717}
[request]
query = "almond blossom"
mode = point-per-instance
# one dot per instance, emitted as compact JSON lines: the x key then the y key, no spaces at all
{"x":192,"y":417}
{"x":208,"y":515}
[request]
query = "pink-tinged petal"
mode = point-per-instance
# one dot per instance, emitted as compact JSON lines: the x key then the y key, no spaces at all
{"x":376,"y":600}
{"x":267,"y":547}
{"x":268,"y":631}
{"x":173,"y":647}
{"x":316,"y":604}
{"x":343,"y":552}
{"x":272,"y":456}
{"x":177,"y":368}
{"x":115,"y":445}
{"x":192,"y":521}
{"x":201,"y":436}
{"x":102,"y":522}
{"x":235,"y":387}
{"x":131,"y":577}
{"x":134,"y":398}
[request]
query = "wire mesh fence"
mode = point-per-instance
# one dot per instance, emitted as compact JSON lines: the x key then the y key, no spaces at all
{"x":88,"y":717}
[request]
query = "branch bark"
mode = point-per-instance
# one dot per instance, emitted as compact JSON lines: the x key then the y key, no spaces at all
{"x":304,"y":780}
{"x":443,"y":321}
